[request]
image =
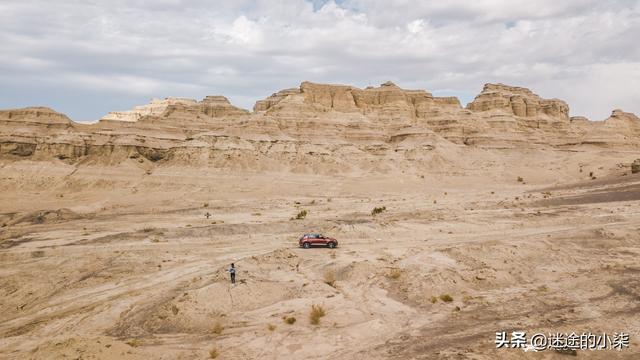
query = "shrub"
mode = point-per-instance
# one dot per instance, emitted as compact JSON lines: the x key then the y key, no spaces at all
{"x":271,"y":327}
{"x":174,"y":309}
{"x":520,"y":179}
{"x":330,"y":278}
{"x":301,"y":215}
{"x":289,"y":320}
{"x":134,"y":343}
{"x":37,"y":254}
{"x":378,"y":210}
{"x":433,"y":299}
{"x":317,"y":311}
{"x":213,"y":353}
{"x":39,"y":219}
{"x":148,"y":229}
{"x":217,"y":328}
{"x":395,"y":273}
{"x":446,"y":298}
{"x":205,"y":204}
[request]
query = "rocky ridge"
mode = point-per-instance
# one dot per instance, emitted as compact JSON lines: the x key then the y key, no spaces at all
{"x":316,"y":127}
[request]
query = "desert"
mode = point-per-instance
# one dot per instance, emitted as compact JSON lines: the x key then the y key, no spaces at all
{"x":454,"y":223}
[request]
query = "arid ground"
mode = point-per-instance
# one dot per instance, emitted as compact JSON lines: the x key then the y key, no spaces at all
{"x":123,"y":266}
{"x":504,"y":215}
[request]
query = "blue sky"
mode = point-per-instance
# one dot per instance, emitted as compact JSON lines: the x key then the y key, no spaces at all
{"x":88,"y":58}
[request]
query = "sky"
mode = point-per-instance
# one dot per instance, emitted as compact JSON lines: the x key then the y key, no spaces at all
{"x":86,"y":58}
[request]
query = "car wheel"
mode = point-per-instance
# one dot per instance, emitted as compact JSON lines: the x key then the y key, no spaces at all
{"x":331,"y":245}
{"x":306,"y":245}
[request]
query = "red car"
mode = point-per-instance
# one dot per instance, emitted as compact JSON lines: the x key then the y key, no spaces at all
{"x":308,"y":240}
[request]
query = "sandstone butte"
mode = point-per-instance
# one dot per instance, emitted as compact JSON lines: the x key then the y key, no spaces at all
{"x":316,"y":128}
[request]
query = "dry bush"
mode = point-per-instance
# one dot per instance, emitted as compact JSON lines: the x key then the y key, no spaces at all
{"x":330,"y":278}
{"x":134,"y":343}
{"x":433,"y":299}
{"x":148,"y":229}
{"x":301,"y":215}
{"x":395,"y":273}
{"x":214,"y":353}
{"x":378,"y":210}
{"x":520,"y":179}
{"x":317,"y":311}
{"x":217,"y":328}
{"x":271,"y":327}
{"x":446,"y":298}
{"x":289,"y":320}
{"x":174,"y":309}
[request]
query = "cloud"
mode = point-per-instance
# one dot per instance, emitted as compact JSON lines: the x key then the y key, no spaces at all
{"x":121,"y":53}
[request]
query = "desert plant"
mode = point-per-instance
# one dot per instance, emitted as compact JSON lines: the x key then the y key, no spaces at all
{"x":148,"y":229}
{"x":330,"y":278}
{"x":289,"y":320}
{"x":395,"y":273}
{"x":317,"y":311}
{"x":271,"y":327}
{"x":134,"y":343}
{"x":174,"y":309}
{"x":433,"y":299}
{"x":301,"y":215}
{"x":378,"y":210}
{"x":217,"y":328}
{"x":446,"y":298}
{"x":213,"y":353}
{"x":39,"y":219}
{"x":520,"y":179}
{"x":205,"y":204}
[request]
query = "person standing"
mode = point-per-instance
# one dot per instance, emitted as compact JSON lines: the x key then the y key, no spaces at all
{"x":232,"y":272}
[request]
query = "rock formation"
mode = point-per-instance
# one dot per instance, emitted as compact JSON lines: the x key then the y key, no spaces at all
{"x":214,"y":106}
{"x":518,"y":101}
{"x":315,"y":126}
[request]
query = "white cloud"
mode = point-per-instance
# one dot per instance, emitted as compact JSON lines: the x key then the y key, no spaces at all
{"x":582,"y":51}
